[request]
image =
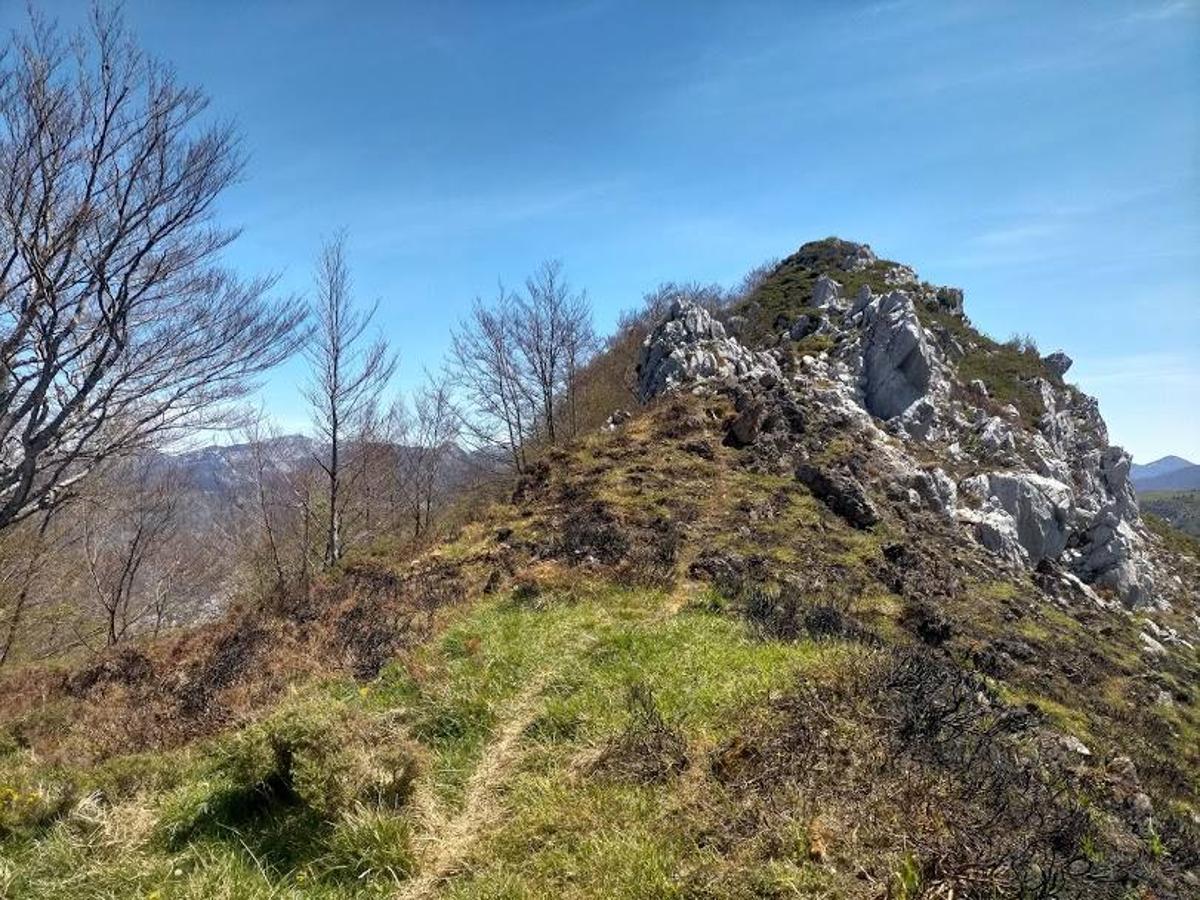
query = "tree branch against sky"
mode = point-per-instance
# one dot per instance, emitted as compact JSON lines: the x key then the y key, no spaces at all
{"x":119,"y":329}
{"x":349,"y":371}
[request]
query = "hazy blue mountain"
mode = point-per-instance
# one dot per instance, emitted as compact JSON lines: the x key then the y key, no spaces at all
{"x":1171,"y":473}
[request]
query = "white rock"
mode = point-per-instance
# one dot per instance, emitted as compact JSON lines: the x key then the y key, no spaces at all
{"x":1150,"y":645}
{"x":997,"y":531}
{"x":996,"y":437}
{"x":898,"y":360}
{"x":1041,"y":509}
{"x":691,"y":346}
{"x":827,"y":293}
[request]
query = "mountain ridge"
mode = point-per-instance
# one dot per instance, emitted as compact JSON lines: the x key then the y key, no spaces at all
{"x":820,"y":617}
{"x":1170,"y":473}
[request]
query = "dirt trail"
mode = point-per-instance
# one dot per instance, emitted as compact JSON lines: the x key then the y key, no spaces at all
{"x":449,"y":838}
{"x":455,"y":835}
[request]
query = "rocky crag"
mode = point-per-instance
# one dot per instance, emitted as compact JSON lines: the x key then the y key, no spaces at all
{"x":986,"y":435}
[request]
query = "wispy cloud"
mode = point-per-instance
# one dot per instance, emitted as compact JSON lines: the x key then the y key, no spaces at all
{"x":1141,"y":370}
{"x":423,"y":221}
{"x":1052,"y":226}
{"x":1017,"y":235}
{"x":1165,"y":11}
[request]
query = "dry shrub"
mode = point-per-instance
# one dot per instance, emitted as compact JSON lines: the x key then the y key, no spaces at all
{"x":651,"y":560}
{"x":163,"y":693}
{"x":592,"y":532}
{"x":791,"y":612}
{"x":677,"y":418}
{"x":912,"y":754}
{"x":649,"y":750}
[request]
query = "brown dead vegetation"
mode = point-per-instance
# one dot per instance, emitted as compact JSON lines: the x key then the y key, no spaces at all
{"x":910,"y":754}
{"x":649,"y":750}
{"x":167,"y":692}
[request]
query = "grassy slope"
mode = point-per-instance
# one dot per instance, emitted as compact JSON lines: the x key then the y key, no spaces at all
{"x":1180,"y":509}
{"x":517,"y":719}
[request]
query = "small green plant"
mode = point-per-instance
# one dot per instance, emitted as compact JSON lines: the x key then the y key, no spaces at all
{"x":370,"y":844}
{"x":906,"y":880}
{"x":1154,"y":842}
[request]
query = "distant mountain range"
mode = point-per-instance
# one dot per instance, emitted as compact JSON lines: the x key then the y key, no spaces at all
{"x":220,"y":478}
{"x":1171,"y":473}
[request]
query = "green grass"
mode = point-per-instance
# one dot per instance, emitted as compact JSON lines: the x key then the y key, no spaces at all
{"x":566,"y":834}
{"x":199,"y":823}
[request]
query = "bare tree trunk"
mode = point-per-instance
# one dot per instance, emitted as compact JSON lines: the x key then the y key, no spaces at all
{"x":347,"y":377}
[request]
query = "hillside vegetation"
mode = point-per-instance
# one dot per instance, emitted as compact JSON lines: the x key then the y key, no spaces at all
{"x":1179,"y":509}
{"x":659,"y":672}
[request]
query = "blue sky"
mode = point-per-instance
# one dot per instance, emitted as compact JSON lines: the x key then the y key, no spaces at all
{"x":1043,"y":156}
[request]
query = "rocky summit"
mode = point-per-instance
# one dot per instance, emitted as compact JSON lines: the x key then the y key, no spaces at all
{"x":987,"y":435}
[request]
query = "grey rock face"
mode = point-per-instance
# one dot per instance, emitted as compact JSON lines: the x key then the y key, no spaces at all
{"x":898,"y":361}
{"x":691,"y":346}
{"x":1054,"y":489}
{"x":827,"y":293}
{"x":919,"y":421}
{"x":997,"y":531}
{"x":1059,"y":363}
{"x":937,"y":490}
{"x":996,"y":437}
{"x":900,"y":276}
{"x":1040,"y":508}
{"x":804,"y":326}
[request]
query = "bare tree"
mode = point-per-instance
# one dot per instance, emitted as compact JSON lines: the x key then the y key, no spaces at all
{"x":125,"y":527}
{"x":580,"y":344}
{"x":498,"y":410}
{"x":553,"y":334}
{"x":349,"y":372}
{"x":538,"y":334}
{"x":118,"y":328}
{"x":424,"y":438}
{"x":25,"y":554}
{"x":257,"y":436}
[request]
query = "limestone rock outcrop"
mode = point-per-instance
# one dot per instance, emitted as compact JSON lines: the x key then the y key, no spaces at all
{"x":1041,"y":510}
{"x":898,"y":360}
{"x":1039,"y":480}
{"x":691,"y":346}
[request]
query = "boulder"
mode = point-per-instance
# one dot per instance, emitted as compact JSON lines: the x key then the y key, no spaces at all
{"x":996,"y":530}
{"x":827,"y":293}
{"x":996,"y":437}
{"x":898,"y":361}
{"x":747,"y":424}
{"x":937,"y":490}
{"x":804,"y":326}
{"x":841,"y":493}
{"x":691,"y":346}
{"x":618,"y":418}
{"x":1111,"y":557}
{"x":919,"y":421}
{"x":1041,"y":509}
{"x":1058,"y":363}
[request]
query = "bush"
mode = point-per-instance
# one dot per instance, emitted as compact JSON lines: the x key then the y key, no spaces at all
{"x":30,"y":801}
{"x":649,"y":750}
{"x":304,"y":757}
